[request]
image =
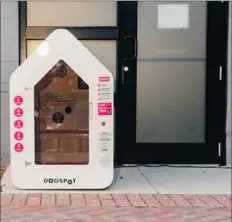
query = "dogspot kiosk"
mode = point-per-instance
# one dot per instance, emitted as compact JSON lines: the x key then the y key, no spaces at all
{"x":61,"y":118}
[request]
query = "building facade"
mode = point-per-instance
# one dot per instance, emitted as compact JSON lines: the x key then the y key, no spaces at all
{"x":171,"y":76}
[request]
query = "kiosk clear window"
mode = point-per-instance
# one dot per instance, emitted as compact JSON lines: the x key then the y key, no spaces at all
{"x":61,"y":117}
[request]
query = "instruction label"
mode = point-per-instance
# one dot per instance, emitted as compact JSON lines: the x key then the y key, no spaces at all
{"x":18,"y":124}
{"x":105,"y":140}
{"x":18,"y":135}
{"x":104,"y":109}
{"x":18,"y":147}
{"x":18,"y":112}
{"x":104,"y":79}
{"x":104,"y":91}
{"x":18,"y":100}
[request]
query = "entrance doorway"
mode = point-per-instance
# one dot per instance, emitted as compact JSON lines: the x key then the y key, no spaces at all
{"x":169,"y":64}
{"x":171,"y":83}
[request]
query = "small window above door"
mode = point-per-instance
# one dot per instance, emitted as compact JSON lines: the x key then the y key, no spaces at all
{"x":72,"y":14}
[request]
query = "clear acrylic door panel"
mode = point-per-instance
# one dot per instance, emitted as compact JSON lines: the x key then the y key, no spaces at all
{"x":61,"y":117}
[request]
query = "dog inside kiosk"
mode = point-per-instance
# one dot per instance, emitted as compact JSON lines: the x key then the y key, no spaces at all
{"x":61,"y":118}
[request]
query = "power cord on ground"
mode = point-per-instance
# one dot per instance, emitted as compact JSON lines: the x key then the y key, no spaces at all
{"x":172,"y":166}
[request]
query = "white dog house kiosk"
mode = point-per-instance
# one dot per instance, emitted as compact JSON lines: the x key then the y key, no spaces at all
{"x":62,"y":118}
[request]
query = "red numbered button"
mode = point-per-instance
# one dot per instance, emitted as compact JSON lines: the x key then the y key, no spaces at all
{"x":18,"y":100}
{"x":18,"y":135}
{"x":18,"y":147}
{"x":18,"y":112}
{"x":18,"y":124}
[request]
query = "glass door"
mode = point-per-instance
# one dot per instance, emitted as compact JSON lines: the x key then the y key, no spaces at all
{"x":172,"y":83}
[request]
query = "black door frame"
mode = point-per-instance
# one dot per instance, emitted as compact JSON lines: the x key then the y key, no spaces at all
{"x":130,"y":152}
{"x":126,"y":96}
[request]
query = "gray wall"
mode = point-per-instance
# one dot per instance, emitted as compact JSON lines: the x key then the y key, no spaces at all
{"x":9,"y":61}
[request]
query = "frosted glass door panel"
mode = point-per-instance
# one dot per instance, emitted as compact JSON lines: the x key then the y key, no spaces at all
{"x":155,"y":42}
{"x":69,"y":13}
{"x":171,"y":77}
{"x":171,"y":107}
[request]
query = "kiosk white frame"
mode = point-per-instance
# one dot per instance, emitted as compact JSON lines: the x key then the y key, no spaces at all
{"x":25,"y":174}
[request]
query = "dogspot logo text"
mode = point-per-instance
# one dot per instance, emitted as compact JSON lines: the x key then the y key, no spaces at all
{"x":60,"y":180}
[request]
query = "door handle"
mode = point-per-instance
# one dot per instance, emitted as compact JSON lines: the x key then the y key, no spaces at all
{"x":135,"y":47}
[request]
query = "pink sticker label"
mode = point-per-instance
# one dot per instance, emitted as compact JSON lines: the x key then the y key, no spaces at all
{"x":18,"y":124}
{"x":18,"y":135}
{"x":104,"y":79}
{"x":104,"y":109}
{"x":18,"y":147}
{"x":18,"y":100}
{"x":18,"y":112}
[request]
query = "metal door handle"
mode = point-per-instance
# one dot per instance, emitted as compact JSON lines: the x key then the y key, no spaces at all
{"x":135,"y":47}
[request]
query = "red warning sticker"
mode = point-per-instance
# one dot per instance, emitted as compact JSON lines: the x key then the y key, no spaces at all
{"x":104,"y":109}
{"x":104,"y":79}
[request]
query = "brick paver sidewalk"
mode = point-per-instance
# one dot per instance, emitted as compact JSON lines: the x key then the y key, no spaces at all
{"x":115,"y":207}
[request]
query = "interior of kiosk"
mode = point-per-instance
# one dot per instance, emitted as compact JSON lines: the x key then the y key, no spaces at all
{"x":61,"y":118}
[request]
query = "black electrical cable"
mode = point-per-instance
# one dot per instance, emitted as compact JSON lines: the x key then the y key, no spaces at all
{"x":172,"y":166}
